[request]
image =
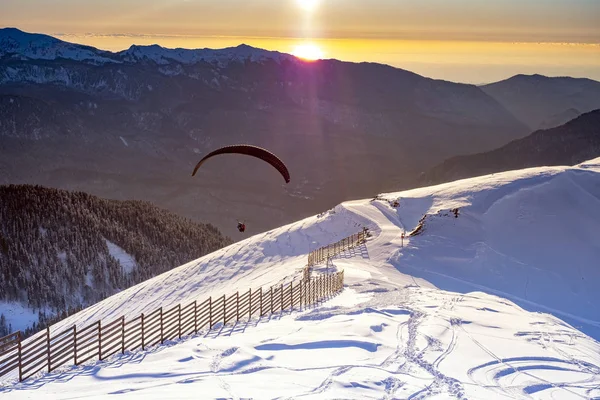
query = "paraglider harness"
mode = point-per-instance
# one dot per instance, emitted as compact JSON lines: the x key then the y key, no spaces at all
{"x":241,"y":226}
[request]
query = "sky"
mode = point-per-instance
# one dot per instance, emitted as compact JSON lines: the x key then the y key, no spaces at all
{"x":460,"y":40}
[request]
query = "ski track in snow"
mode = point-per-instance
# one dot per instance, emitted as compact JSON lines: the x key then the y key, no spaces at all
{"x":394,"y":332}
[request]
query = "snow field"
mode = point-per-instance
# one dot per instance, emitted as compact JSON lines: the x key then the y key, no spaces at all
{"x":456,"y":311}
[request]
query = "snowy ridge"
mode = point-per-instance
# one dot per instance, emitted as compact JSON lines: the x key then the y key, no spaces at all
{"x":18,"y":44}
{"x":416,"y":318}
{"x":162,"y":56}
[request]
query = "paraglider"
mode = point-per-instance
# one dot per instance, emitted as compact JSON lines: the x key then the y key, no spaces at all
{"x":249,"y":150}
{"x":253,"y":151}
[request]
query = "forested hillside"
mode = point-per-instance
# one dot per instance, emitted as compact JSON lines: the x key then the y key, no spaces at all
{"x":62,"y":250}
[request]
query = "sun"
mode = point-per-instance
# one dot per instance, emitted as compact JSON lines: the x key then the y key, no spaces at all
{"x":308,"y":5}
{"x":308,"y":52}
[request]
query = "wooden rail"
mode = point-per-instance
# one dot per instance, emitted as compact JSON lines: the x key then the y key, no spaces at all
{"x":324,"y":253}
{"x":49,"y":350}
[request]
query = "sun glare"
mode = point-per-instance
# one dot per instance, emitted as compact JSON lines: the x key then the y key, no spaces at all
{"x":308,"y":52}
{"x":308,"y":5}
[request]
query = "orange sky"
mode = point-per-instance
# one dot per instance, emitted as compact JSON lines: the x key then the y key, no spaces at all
{"x":462,"y":40}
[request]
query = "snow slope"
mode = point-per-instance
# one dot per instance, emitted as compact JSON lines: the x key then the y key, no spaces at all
{"x":446,"y":315}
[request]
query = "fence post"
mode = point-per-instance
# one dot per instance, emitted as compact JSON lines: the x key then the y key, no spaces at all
{"x":48,"y":345}
{"x":321,"y":287}
{"x":142,"y":331}
{"x":162,"y":340}
{"x":20,"y":355}
{"x":100,"y":340}
{"x":195,"y":316}
{"x":250,"y":306}
{"x":210,"y":313}
{"x":281,"y":305}
{"x":123,"y":334}
{"x":332,"y":284}
{"x":271,"y":299}
{"x":261,"y":301}
{"x":237,"y":306}
{"x":179,"y":328}
{"x":75,"y":343}
{"x":292,"y":295}
{"x":318,"y":289}
{"x":224,"y":310}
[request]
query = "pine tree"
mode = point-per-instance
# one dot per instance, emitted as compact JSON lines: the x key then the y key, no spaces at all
{"x":53,"y":244}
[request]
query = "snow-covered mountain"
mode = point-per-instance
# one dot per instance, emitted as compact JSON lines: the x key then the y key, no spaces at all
{"x":222,"y":57}
{"x":491,"y":295}
{"x":19,"y":45}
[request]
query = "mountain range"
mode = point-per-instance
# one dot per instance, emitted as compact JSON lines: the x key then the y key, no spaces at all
{"x":569,"y":144}
{"x":132,"y":125}
{"x":542,"y":102}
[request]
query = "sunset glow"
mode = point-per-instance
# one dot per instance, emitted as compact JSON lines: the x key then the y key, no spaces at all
{"x":308,"y":52}
{"x":308,"y":5}
{"x":461,"y":40}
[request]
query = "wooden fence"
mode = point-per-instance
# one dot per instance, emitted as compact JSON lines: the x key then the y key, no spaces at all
{"x":324,"y":253}
{"x":74,"y":345}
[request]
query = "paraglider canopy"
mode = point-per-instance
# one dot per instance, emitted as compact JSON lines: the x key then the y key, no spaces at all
{"x":249,"y":150}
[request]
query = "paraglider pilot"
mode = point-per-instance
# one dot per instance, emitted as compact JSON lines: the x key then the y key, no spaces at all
{"x":241,"y":226}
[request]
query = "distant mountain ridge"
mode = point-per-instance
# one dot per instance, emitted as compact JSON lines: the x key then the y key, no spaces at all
{"x":570,"y":144}
{"x":542,"y":102}
{"x":18,"y":45}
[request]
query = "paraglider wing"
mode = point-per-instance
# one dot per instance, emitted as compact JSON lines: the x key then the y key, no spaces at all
{"x":249,"y":150}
